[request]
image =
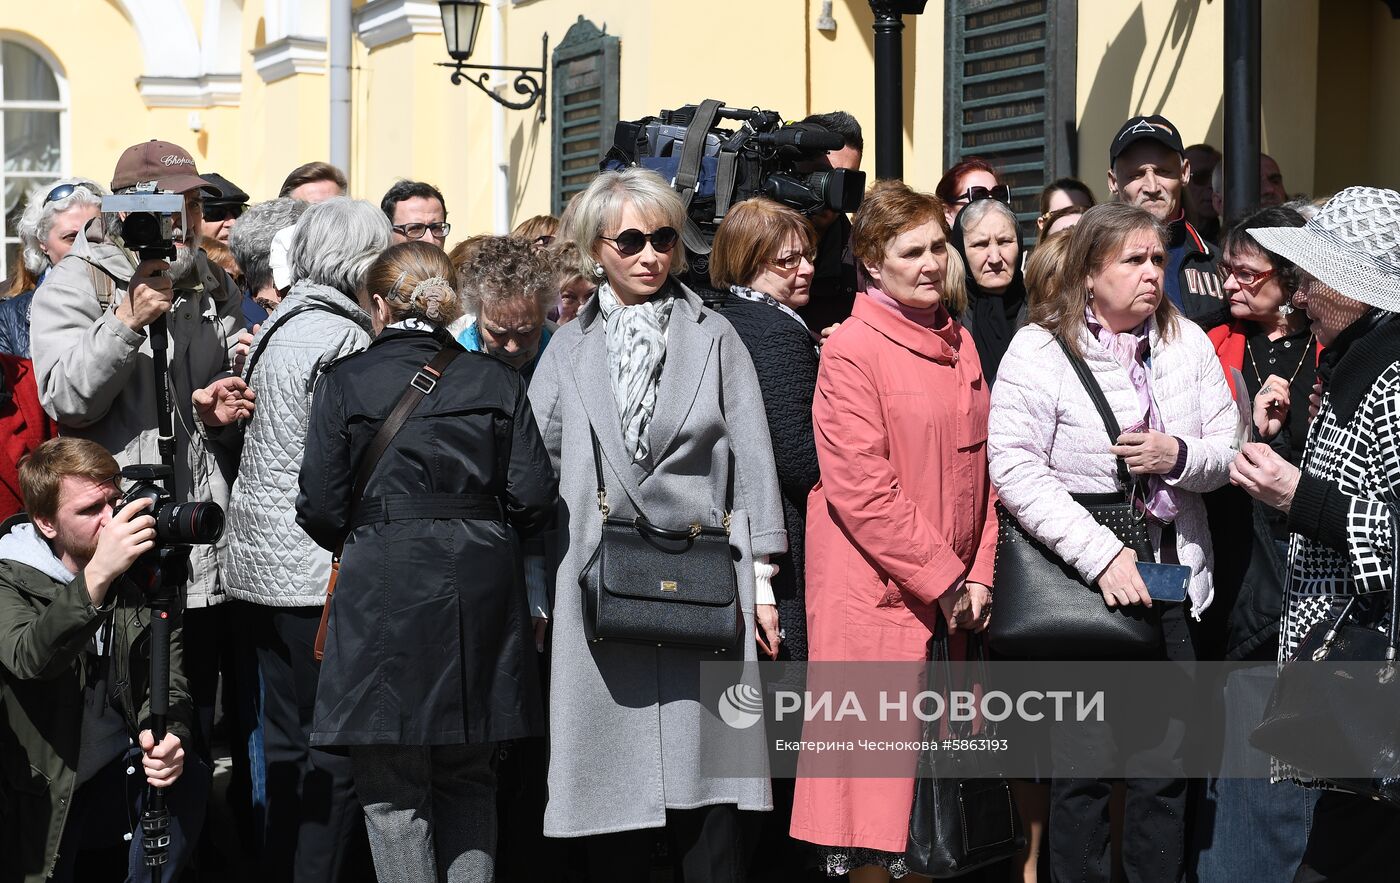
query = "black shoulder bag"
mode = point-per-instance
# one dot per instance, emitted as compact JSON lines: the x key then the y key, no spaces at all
{"x":646,"y":584}
{"x":1045,"y":609}
{"x":1334,"y":713}
{"x":423,"y":382}
{"x":963,"y":816}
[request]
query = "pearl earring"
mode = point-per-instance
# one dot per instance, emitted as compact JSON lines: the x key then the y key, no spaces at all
{"x":599,"y":271}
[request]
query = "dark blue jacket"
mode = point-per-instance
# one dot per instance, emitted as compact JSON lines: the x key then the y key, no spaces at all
{"x":1190,"y":280}
{"x":14,"y":325}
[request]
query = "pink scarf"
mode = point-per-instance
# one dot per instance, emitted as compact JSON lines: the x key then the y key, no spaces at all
{"x":935,"y":316}
{"x":1131,"y":349}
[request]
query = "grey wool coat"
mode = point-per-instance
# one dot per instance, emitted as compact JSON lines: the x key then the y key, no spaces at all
{"x":626,"y":719}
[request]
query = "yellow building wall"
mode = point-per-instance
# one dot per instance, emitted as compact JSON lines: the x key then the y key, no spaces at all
{"x":1133,"y":56}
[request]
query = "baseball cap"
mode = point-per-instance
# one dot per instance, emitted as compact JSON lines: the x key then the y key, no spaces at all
{"x":169,"y":165}
{"x":1155,"y":127}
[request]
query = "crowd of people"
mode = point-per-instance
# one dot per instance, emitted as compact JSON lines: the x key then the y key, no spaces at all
{"x":403,"y":632}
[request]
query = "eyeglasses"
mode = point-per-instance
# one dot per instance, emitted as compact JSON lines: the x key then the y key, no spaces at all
{"x":215,"y":213}
{"x":794,"y":260}
{"x":63,"y":191}
{"x":416,"y":231}
{"x":631,"y":242}
{"x":1001,"y":193}
{"x":1243,"y":275}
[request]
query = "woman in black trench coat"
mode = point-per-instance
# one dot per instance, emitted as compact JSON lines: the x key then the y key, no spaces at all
{"x":429,"y":659}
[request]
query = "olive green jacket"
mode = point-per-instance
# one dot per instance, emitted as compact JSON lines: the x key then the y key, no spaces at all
{"x":45,"y":626}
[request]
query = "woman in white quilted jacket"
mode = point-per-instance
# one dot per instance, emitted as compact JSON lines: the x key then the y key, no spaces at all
{"x":1047,"y":441}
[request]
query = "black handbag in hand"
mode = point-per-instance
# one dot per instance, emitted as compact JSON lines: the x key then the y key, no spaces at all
{"x":652,"y":585}
{"x":963,"y":816}
{"x":1336,"y":707}
{"x":1045,"y":609}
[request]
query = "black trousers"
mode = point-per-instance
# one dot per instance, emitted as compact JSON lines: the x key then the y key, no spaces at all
{"x":1154,"y":814}
{"x":711,"y":844}
{"x":314,"y":821}
{"x":1352,"y":839}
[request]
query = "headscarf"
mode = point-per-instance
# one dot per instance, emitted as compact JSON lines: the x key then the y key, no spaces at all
{"x":636,"y":337}
{"x":989,"y":318}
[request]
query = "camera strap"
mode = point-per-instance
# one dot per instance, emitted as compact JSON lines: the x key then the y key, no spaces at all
{"x":420,"y":386}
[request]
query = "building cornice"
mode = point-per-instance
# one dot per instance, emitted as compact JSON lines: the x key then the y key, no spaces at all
{"x":289,"y":56}
{"x":209,"y":90}
{"x":379,"y":22}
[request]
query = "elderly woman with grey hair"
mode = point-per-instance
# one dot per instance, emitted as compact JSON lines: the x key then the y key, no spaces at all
{"x":251,"y":244}
{"x":659,"y":393}
{"x":52,"y":218}
{"x":271,"y":563}
{"x":985,"y":237}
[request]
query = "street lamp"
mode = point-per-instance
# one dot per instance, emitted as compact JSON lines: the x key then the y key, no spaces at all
{"x":461,"y":19}
{"x":889,"y":83}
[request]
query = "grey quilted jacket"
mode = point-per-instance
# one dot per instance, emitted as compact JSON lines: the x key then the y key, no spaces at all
{"x":270,"y":559}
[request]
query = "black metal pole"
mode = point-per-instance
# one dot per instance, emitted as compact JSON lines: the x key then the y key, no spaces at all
{"x":889,"y":90}
{"x":1242,"y":139}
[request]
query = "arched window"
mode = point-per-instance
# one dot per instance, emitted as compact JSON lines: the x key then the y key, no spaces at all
{"x":31,"y":135}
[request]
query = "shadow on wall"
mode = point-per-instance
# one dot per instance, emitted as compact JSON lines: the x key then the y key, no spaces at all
{"x":1178,"y":32}
{"x":865,"y":24}
{"x":1110,"y":101}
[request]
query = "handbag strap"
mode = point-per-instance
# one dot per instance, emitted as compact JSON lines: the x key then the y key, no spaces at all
{"x":277,"y":325}
{"x":641,"y":521}
{"x":420,"y":386}
{"x":1110,"y":422}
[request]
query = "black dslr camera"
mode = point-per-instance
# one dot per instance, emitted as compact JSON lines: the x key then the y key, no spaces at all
{"x":180,"y":524}
{"x":760,"y":157}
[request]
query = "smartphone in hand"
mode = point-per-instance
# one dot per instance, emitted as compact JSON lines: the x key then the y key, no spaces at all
{"x":1165,"y":582}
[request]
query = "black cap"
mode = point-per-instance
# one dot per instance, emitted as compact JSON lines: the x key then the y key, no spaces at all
{"x":229,"y":193}
{"x":1156,"y":127}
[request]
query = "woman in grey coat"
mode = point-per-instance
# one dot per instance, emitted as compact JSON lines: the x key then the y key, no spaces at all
{"x":671,"y":393}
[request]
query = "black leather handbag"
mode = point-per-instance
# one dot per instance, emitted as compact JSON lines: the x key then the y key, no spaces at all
{"x":963,"y":816}
{"x":1334,"y":713}
{"x":646,"y":584}
{"x":1044,"y":608}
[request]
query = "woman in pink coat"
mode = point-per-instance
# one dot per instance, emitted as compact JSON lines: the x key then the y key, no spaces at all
{"x":901,"y":528}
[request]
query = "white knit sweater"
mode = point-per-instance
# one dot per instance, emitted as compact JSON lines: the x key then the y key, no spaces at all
{"x":1046,"y":441}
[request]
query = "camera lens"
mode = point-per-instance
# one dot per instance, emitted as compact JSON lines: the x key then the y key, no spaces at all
{"x":193,"y":523}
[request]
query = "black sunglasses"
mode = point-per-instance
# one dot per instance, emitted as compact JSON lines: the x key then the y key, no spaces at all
{"x":1001,"y":193}
{"x":630,"y":242}
{"x":216,"y":213}
{"x":63,"y":191}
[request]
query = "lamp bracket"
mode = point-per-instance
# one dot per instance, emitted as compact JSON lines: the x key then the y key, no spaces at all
{"x":529,"y":81}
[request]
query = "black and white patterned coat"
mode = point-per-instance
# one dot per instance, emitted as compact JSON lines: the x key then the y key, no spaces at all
{"x":1341,"y":542}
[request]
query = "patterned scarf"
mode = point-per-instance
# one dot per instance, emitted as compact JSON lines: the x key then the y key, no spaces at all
{"x":1130,"y":350}
{"x":636,"y":338}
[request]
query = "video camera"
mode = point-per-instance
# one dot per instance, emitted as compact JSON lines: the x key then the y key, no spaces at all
{"x":148,"y":225}
{"x":194,"y":523}
{"x":714,"y":168}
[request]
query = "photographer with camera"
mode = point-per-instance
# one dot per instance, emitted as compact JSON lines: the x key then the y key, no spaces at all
{"x":108,"y":310}
{"x":74,"y":675}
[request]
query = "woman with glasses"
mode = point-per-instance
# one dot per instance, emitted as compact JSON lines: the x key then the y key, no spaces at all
{"x":970,"y":180}
{"x":659,"y":393}
{"x":51,"y":223}
{"x":985,"y":237}
{"x":1268,"y":344}
{"x":763,"y":255}
{"x":509,"y":286}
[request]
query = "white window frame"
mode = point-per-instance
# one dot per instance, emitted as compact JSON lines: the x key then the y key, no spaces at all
{"x":64,"y":131}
